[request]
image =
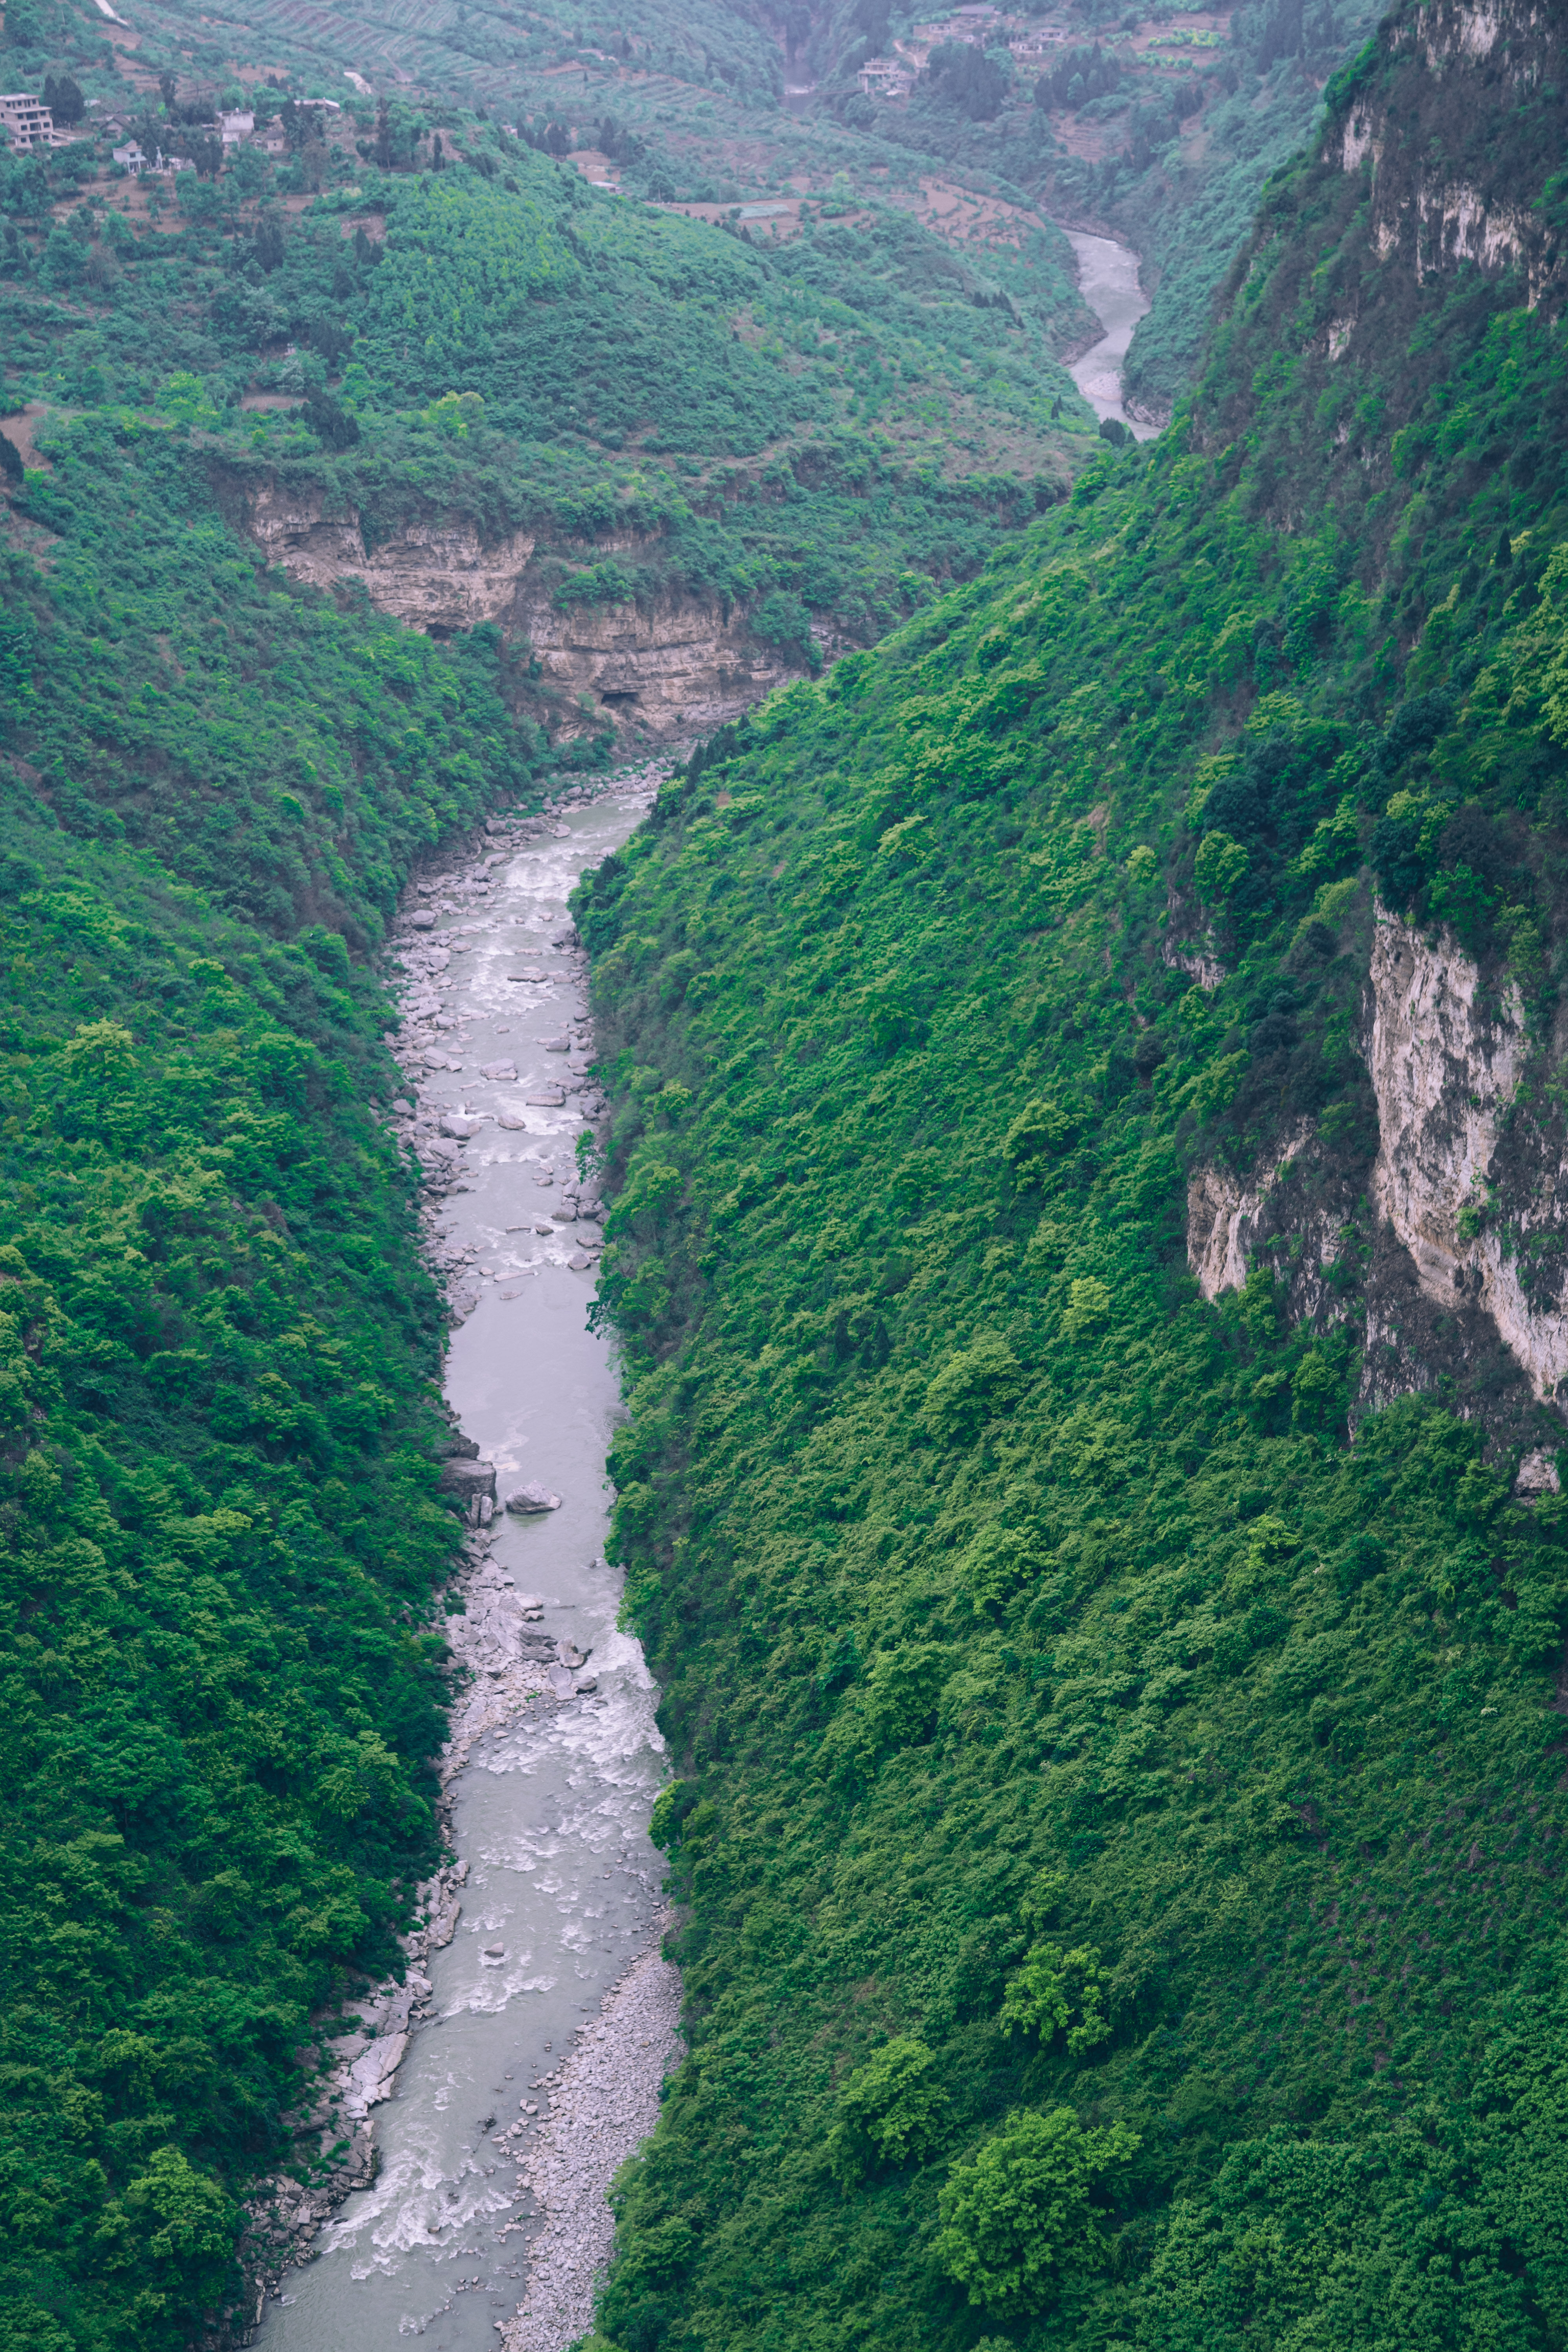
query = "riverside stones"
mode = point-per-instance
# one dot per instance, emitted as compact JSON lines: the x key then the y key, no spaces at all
{"x":525,"y":1501}
{"x":468,"y":1480}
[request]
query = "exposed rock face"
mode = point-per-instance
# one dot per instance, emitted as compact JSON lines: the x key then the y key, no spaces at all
{"x":676,"y":667}
{"x":1446,"y":1065}
{"x":1228,"y":1217}
{"x":1187,"y":944}
{"x":679,"y":666}
{"x":1433,"y":206}
{"x":431,"y":573}
{"x":1446,"y":1246}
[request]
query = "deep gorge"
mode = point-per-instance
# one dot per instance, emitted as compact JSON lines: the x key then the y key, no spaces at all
{"x":1067,"y":1166}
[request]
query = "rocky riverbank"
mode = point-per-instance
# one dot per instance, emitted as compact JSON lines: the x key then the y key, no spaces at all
{"x":510,"y":1669}
{"x":604,"y":2102}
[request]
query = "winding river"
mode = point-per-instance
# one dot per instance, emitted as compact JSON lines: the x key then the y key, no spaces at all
{"x":488,"y":2157}
{"x":1107,"y":280}
{"x":550,"y":1806}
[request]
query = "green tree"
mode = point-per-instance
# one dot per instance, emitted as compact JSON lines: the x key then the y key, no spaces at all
{"x":1220,"y":866}
{"x":891,"y":2110}
{"x":1019,"y":2218}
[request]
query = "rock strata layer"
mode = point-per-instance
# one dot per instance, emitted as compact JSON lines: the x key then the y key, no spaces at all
{"x":680,"y":665}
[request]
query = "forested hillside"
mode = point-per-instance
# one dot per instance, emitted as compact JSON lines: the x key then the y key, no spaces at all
{"x":1160,"y":126}
{"x":220,"y":1354}
{"x":1119,"y":1742}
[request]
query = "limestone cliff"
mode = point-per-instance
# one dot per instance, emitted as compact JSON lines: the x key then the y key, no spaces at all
{"x":678,"y":666}
{"x":1445,"y":1248}
{"x":681,"y":666}
{"x":431,"y":573}
{"x":1438,"y":198}
{"x":1447,"y":1063}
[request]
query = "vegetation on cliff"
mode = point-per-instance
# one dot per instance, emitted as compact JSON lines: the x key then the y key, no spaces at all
{"x":217,"y":1361}
{"x":847,"y":423}
{"x":1119,"y":1819}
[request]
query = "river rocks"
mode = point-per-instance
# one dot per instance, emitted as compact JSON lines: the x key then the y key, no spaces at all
{"x":526,"y":1501}
{"x":498,"y":1070}
{"x":549,"y":1099}
{"x":422,"y":921}
{"x":467,"y":1480}
{"x":606,"y":2104}
{"x":558,"y":1044}
{"x":371,"y":2075}
{"x":513,"y":1121}
{"x":460,"y":1125}
{"x":579,"y":1262}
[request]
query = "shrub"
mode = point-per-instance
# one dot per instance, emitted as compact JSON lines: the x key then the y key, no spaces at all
{"x":891,"y":2111}
{"x":1019,"y":2219}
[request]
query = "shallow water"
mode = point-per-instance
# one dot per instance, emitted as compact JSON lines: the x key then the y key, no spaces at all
{"x":1107,"y":280}
{"x":552,"y":1812}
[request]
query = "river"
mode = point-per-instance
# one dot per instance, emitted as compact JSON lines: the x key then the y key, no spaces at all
{"x":1107,"y":280}
{"x":550,"y":1809}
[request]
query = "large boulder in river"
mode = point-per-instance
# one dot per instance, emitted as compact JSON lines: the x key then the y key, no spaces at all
{"x":524,"y":1501}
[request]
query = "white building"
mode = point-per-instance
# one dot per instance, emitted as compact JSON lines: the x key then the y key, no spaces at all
{"x":27,"y":123}
{"x":884,"y":78}
{"x":233,"y":128}
{"x":134,"y":159}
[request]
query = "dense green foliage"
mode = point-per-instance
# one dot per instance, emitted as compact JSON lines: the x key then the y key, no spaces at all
{"x":849,"y":421}
{"x":1184,"y":131}
{"x":1120,"y":1819}
{"x":218,"y":1358}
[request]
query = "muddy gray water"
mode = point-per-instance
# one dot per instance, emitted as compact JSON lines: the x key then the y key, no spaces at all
{"x":551,"y":1811}
{"x":1107,"y":280}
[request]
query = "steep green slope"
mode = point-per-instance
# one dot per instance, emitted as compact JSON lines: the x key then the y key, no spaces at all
{"x":219,"y":1355}
{"x":1119,"y":1818}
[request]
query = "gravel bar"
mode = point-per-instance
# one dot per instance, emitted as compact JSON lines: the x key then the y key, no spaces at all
{"x":603,"y":2103}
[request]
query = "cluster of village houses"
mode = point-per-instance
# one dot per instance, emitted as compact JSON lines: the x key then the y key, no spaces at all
{"x":29,"y":126}
{"x":981,"y":25}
